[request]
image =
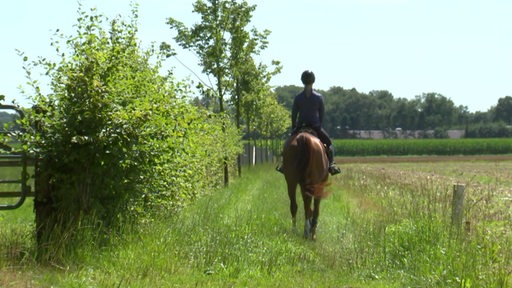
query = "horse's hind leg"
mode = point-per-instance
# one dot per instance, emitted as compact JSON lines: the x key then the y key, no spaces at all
{"x":308,"y":213}
{"x":314,"y":218}
{"x":292,"y":187}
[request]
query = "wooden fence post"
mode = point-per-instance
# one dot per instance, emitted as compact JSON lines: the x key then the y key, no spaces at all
{"x":253,"y":160}
{"x":457,"y":205}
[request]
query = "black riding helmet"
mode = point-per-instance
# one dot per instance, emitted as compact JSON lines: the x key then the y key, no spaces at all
{"x":308,"y":77}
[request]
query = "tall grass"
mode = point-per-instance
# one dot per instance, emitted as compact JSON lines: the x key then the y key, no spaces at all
{"x":417,"y":243}
{"x":384,"y":226}
{"x":16,"y":239}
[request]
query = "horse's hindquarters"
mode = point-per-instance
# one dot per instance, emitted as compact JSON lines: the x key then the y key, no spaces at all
{"x":305,"y":163}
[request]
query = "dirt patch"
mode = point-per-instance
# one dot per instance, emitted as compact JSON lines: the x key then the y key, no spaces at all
{"x":12,"y":277}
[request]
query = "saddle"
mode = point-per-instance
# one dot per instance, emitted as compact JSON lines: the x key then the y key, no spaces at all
{"x":310,"y":131}
{"x":304,"y":129}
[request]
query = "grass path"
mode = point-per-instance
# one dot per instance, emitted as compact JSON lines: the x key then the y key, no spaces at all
{"x":242,"y":236}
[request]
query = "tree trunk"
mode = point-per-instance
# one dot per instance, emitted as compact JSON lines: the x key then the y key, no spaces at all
{"x":43,"y":204}
{"x":226,"y":173}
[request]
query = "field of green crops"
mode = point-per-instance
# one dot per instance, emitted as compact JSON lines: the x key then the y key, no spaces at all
{"x":394,"y":147}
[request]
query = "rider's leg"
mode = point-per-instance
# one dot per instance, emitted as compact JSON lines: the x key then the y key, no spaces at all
{"x":330,"y":155}
{"x":279,"y":167}
{"x":333,"y":169}
{"x":324,"y":137}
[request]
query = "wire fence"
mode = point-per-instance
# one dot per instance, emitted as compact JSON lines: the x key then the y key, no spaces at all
{"x":259,"y":154}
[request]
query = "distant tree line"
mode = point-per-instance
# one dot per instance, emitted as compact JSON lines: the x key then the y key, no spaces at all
{"x":348,"y":109}
{"x":8,"y":118}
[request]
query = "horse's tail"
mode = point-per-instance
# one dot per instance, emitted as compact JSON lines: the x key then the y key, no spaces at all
{"x":303,"y":149}
{"x":313,"y":165}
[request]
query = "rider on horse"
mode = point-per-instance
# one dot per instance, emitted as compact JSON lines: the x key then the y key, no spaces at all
{"x":308,"y":112}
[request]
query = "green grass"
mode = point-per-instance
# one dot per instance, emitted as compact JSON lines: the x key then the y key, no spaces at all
{"x":385,"y":225}
{"x":240,"y":236}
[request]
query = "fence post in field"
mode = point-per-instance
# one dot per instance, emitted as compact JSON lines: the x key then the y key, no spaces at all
{"x":457,"y":205}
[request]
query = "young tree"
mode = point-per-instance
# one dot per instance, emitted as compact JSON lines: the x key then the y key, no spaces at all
{"x":253,"y":98}
{"x":224,"y":48}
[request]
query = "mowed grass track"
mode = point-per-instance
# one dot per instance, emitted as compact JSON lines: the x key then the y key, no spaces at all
{"x":240,"y":236}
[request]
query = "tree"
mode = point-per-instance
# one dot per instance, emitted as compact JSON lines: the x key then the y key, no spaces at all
{"x":248,"y":78}
{"x":224,"y":48}
{"x":503,"y":110}
{"x":257,"y":104}
{"x":286,"y":94}
{"x":384,"y":101}
{"x":436,"y":111}
{"x":404,"y":114}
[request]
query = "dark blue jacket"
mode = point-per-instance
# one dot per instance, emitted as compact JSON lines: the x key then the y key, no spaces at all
{"x":310,"y":110}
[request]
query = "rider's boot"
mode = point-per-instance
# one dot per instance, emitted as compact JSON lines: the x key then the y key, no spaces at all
{"x":333,"y":169}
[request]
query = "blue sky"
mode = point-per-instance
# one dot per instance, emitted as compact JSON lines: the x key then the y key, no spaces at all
{"x":461,"y":49}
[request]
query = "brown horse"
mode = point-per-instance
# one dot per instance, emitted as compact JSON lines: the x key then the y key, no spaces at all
{"x":305,"y":163}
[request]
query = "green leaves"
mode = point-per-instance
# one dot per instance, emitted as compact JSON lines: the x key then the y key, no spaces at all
{"x":225,"y":48}
{"x":118,"y":136}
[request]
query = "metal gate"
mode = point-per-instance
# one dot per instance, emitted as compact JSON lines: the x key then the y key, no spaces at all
{"x":14,"y":176}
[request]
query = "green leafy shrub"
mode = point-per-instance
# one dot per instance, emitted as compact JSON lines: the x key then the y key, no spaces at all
{"x":117,"y":137}
{"x":489,"y":130}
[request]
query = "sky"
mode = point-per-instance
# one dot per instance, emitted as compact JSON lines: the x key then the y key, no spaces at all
{"x":461,"y":49}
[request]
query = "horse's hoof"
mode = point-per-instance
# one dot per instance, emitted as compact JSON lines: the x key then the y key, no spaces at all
{"x":313,"y":235}
{"x":307,"y":228}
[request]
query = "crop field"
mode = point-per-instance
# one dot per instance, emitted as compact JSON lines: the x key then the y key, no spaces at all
{"x":387,"y":223}
{"x":401,"y":147}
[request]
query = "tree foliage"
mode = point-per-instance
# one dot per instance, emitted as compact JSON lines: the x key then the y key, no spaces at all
{"x":225,"y":48}
{"x":503,"y":110}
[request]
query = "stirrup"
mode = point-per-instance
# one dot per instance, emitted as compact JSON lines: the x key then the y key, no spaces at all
{"x":279,"y":169}
{"x":333,"y":169}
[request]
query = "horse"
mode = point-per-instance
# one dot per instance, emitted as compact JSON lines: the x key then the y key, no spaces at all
{"x":305,"y":163}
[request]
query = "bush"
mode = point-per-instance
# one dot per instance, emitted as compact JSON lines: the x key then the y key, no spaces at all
{"x":489,"y":130}
{"x":117,"y":138}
